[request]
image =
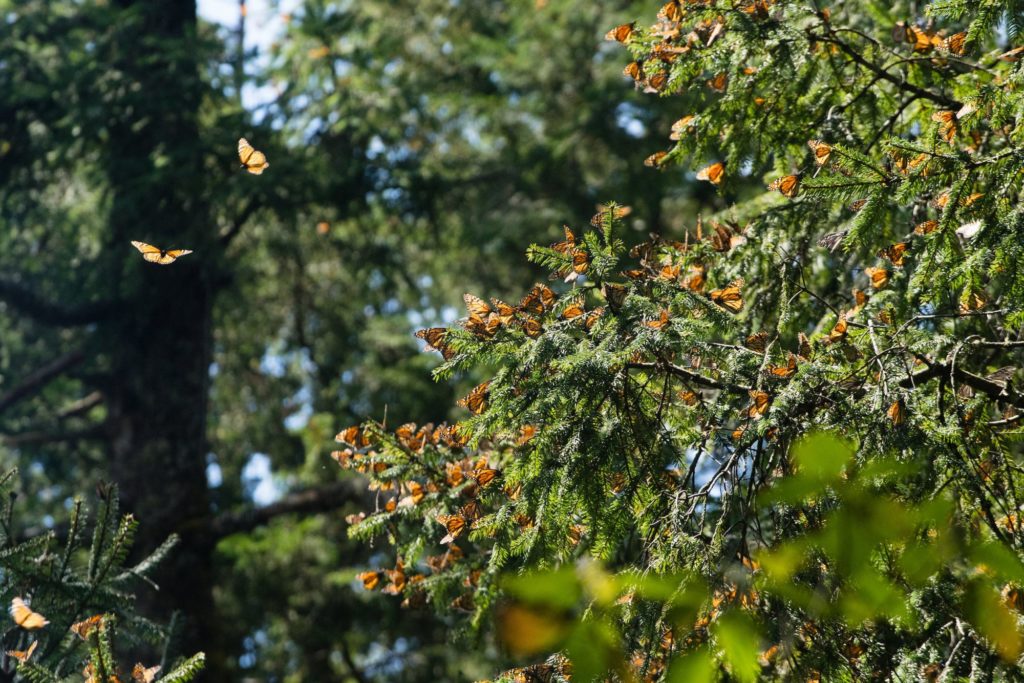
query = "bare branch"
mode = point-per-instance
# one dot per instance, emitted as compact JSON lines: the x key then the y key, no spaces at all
{"x":312,"y":500}
{"x":98,"y":431}
{"x":36,"y":380}
{"x":22,"y":299}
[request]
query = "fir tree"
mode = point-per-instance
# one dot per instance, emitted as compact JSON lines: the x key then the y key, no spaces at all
{"x":642,"y":485}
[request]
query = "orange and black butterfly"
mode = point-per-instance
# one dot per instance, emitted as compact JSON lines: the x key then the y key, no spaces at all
{"x":729,"y":297}
{"x":839,"y":331}
{"x":757,"y":342}
{"x":718,"y":82}
{"x":370,"y":579}
{"x":724,"y":237}
{"x":253,"y":160}
{"x":24,"y":616}
{"x":784,"y":371}
{"x":23,"y":655}
{"x":655,"y":160}
{"x":713,"y":173}
{"x":83,"y":628}
{"x":879,"y":277}
{"x":683,"y":125}
{"x":435,"y":339}
{"x":476,"y":306}
{"x":788,"y":185}
{"x":141,"y":674}
{"x":157,"y":255}
{"x":660,"y":322}
{"x":926,"y":227}
{"x":947,"y":124}
{"x":455,"y":525}
{"x":897,"y":412}
{"x":484,"y":475}
{"x":895,"y":254}
{"x":621,"y":33}
{"x":476,"y":400}
{"x":760,"y":400}
{"x":821,"y":150}
{"x":956,"y":43}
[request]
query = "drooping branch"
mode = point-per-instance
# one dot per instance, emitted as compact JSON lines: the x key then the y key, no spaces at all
{"x":98,"y":431}
{"x":36,"y":380}
{"x":309,"y":501}
{"x":22,"y":299}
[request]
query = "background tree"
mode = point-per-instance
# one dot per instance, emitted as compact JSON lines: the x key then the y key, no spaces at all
{"x":644,"y":416}
{"x":118,"y":122}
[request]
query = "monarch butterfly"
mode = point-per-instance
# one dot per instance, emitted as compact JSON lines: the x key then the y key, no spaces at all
{"x":609,"y":211}
{"x":803,"y":346}
{"x":455,"y":525}
{"x":23,"y":655}
{"x":724,"y":237}
{"x":157,"y":255}
{"x":719,"y":82}
{"x":574,"y":310}
{"x":370,"y":579}
{"x":897,"y":412}
{"x":435,"y":339}
{"x":532,"y":327}
{"x":695,"y":281}
{"x":621,"y":33}
{"x":956,"y":43}
{"x":896,"y":254}
{"x":760,"y":405}
{"x":253,"y":160}
{"x":926,"y":227}
{"x":660,"y":322}
{"x":83,"y":628}
{"x":821,"y":151}
{"x":351,"y":436}
{"x":657,"y":82}
{"x":484,"y":476}
{"x":476,"y":400}
{"x":947,"y":124}
{"x":592,"y":318}
{"x":713,"y":173}
{"x":859,"y":300}
{"x":634,"y":71}
{"x":839,"y":331}
{"x":476,"y":306}
{"x":784,"y":371}
{"x":526,"y":433}
{"x":25,"y":617}
{"x":879,"y":277}
{"x":729,"y":297}
{"x":141,"y":674}
{"x":684,"y":124}
{"x":788,"y":185}
{"x":688,"y":397}
{"x":397,"y":578}
{"x":757,"y":342}
{"x":655,"y":160}
{"x":857,"y":204}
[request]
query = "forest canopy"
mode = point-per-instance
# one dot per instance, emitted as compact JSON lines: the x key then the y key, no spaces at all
{"x":512,"y":341}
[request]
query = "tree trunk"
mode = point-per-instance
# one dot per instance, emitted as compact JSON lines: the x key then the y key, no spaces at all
{"x":162,"y":343}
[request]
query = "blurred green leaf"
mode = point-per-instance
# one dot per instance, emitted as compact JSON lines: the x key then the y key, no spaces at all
{"x":740,"y":641}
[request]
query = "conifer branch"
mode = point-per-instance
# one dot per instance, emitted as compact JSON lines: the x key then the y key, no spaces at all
{"x":901,"y":83}
{"x":699,"y":380}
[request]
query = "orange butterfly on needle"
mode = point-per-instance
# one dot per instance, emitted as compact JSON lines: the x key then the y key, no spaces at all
{"x":253,"y":160}
{"x":24,"y":617}
{"x":158,"y":255}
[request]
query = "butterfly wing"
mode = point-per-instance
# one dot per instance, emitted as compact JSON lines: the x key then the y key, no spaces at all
{"x":24,"y":617}
{"x":252,"y":159}
{"x":143,"y":675}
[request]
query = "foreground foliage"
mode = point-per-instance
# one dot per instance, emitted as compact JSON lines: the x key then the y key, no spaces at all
{"x":859,"y":273}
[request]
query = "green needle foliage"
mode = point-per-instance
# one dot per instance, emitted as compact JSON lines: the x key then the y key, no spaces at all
{"x":642,"y":439}
{"x":82,"y":598}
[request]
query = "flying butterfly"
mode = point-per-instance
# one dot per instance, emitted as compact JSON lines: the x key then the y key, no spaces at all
{"x":24,"y":617}
{"x":729,"y":297}
{"x":713,"y":173}
{"x":161,"y":256}
{"x":788,"y":185}
{"x":253,"y":160}
{"x":23,"y":655}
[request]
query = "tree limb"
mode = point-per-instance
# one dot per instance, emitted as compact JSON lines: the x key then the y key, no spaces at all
{"x":22,"y":299}
{"x":311,"y":500}
{"x":699,"y":380}
{"x":97,"y":431}
{"x":36,"y":380}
